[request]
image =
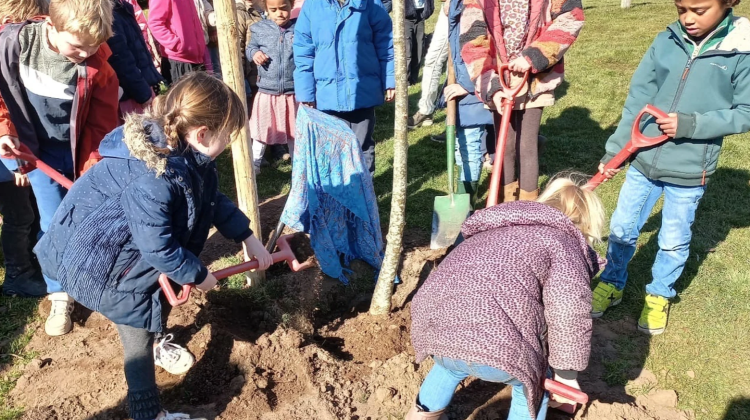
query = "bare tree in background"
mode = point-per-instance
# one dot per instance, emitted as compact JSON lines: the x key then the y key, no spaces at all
{"x":381,"y":299}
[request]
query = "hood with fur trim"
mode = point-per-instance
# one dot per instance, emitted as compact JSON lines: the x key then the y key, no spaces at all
{"x":139,"y":138}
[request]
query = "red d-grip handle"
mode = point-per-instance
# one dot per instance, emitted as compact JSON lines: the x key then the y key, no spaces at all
{"x":568,"y":392}
{"x":507,"y":88}
{"x":24,"y":153}
{"x":637,"y":141}
{"x":285,"y":253}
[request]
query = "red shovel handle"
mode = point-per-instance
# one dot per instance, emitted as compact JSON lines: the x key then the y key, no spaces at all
{"x":24,"y":153}
{"x":637,"y":141}
{"x":568,"y":392}
{"x":285,"y":253}
{"x":504,"y":83}
{"x":493,"y":195}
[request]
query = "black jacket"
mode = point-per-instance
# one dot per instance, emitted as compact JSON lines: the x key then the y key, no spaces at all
{"x":130,"y":57}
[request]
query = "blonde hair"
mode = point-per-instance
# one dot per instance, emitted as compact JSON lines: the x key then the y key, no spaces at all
{"x":197,"y":100}
{"x":20,"y":10}
{"x":567,"y":193}
{"x":88,"y":19}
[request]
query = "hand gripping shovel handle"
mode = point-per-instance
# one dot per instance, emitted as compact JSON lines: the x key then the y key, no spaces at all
{"x":33,"y":162}
{"x":568,"y":392}
{"x":637,"y":141}
{"x":285,"y":254}
{"x":502,"y":134}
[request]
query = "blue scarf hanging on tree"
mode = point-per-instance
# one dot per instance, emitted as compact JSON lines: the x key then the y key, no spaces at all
{"x":332,"y":197}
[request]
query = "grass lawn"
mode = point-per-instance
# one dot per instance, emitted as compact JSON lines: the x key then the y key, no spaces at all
{"x":708,"y":334}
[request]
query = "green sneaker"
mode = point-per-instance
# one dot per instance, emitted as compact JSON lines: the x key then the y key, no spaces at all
{"x":606,"y":296}
{"x":654,"y":315}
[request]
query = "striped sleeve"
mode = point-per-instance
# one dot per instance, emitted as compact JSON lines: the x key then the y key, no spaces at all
{"x":555,"y":39}
{"x":478,"y":51}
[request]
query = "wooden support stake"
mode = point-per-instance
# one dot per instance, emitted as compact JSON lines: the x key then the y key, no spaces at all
{"x":242,"y":151}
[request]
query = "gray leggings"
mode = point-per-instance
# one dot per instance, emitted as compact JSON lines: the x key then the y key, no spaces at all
{"x":521,"y":149}
{"x":143,"y":395}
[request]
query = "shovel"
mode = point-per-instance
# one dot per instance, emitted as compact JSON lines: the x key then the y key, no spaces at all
{"x":449,"y":212}
{"x":285,"y":251}
{"x":568,"y":392}
{"x":637,"y":141}
{"x":32,"y":162}
{"x":502,"y":133}
{"x":285,"y":254}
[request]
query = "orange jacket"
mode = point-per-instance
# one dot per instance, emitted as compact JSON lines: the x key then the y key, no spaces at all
{"x":94,"y":115}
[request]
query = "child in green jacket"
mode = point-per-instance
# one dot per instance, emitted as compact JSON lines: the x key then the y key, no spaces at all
{"x":698,"y":71}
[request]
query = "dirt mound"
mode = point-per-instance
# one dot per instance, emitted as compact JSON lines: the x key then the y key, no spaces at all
{"x":304,"y":347}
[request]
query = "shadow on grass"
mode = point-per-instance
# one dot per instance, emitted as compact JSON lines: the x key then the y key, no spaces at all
{"x":738,"y":409}
{"x":715,"y":218}
{"x":575,"y":142}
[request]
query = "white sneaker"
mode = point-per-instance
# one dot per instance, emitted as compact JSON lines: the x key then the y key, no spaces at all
{"x":173,"y":358}
{"x":58,"y":322}
{"x":166,"y":415}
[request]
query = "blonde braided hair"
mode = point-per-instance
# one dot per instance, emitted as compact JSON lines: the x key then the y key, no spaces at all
{"x":198,"y":99}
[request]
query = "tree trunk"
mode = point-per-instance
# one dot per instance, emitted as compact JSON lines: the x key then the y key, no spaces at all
{"x":242,"y":151}
{"x":381,"y":299}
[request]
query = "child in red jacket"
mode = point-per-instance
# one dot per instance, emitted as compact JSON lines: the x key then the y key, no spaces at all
{"x":59,"y":97}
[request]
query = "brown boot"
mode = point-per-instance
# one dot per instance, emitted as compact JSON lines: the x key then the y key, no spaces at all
{"x":415,"y":414}
{"x":524,"y":195}
{"x":510,"y":192}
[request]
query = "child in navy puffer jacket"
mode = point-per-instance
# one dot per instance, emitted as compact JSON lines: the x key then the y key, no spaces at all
{"x":131,"y":60}
{"x":147,"y":209}
{"x":274,"y":108}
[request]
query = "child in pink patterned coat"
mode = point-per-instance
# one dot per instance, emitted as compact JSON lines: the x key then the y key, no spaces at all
{"x":512,"y":301}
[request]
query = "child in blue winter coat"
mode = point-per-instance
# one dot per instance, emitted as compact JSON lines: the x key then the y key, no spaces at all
{"x":343,"y":53}
{"x":274,"y":108}
{"x":146,"y":209}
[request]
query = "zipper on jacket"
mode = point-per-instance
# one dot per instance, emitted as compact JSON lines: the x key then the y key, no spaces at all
{"x":82,"y":76}
{"x":705,"y":164}
{"x":281,"y":63}
{"x":681,"y":87}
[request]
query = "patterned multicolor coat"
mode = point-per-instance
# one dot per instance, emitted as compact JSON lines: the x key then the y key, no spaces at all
{"x":539,"y":30}
{"x":514,"y":294}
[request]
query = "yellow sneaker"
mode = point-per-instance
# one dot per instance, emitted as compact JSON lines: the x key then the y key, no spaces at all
{"x":654,"y":315}
{"x":605,"y":296}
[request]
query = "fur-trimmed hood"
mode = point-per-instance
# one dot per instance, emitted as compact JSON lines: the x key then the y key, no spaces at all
{"x":138,"y":139}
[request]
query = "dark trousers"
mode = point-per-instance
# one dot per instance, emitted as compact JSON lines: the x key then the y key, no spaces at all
{"x":414,"y":34}
{"x":362,"y":122}
{"x":172,"y":70}
{"x":521,"y":160}
{"x":140,"y":374}
{"x":20,"y":230}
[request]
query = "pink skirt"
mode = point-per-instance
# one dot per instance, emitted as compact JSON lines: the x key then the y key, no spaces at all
{"x":273,"y":117}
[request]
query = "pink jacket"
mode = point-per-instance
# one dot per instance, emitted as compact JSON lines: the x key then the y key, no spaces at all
{"x":514,"y":295}
{"x":176,"y":26}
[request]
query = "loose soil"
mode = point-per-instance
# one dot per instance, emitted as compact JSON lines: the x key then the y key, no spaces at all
{"x":304,"y":349}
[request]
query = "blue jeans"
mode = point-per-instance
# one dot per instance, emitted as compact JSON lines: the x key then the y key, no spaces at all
{"x":215,"y":61}
{"x":637,"y":198}
{"x":49,"y":194}
{"x":440,"y":384}
{"x":469,"y":152}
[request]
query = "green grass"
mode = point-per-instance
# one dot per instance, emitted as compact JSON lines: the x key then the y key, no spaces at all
{"x":14,"y":315}
{"x":709,"y":329}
